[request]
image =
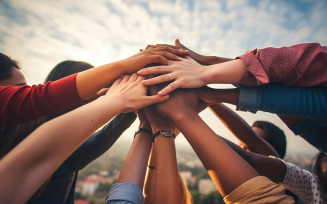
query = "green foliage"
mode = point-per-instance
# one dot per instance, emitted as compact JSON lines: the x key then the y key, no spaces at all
{"x":104,"y":187}
{"x":213,"y":198}
{"x":78,"y":195}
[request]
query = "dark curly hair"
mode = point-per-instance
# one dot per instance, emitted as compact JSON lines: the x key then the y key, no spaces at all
{"x":6,"y":66}
{"x":273,"y":135}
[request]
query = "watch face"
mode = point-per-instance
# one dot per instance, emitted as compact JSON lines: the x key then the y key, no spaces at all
{"x":166,"y":133}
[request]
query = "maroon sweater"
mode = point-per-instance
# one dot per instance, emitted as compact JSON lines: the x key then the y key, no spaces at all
{"x":302,"y":65}
{"x":19,"y":104}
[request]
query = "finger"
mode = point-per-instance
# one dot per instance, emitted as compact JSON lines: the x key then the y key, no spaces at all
{"x":156,"y":80}
{"x":125,"y":78}
{"x":140,"y":78}
{"x":177,"y":43}
{"x":151,"y":46}
{"x":102,"y":92}
{"x":149,"y":100}
{"x":169,"y":88}
{"x":176,"y":51}
{"x":172,"y":46}
{"x":157,"y":59}
{"x":117,"y":82}
{"x":155,"y":70}
{"x":133,"y":77}
{"x":169,"y":55}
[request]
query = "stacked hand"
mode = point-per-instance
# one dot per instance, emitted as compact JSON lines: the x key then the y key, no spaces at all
{"x":159,"y":55}
{"x":186,"y":73}
{"x":130,"y":93}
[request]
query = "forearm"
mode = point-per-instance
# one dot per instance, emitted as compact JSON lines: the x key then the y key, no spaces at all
{"x":33,"y":164}
{"x":134,"y":167}
{"x":286,"y":100}
{"x":99,"y":142}
{"x":274,"y":169}
{"x":229,"y":72}
{"x":214,"y":154}
{"x":166,"y":185}
{"x":296,"y":65}
{"x":210,"y":60}
{"x":91,"y":81}
{"x":242,"y":130}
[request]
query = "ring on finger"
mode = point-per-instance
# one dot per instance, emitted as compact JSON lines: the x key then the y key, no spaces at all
{"x":170,"y":77}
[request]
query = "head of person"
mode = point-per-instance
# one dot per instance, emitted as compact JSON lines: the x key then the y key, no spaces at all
{"x":12,"y":135}
{"x":10,"y":74}
{"x":320,"y":168}
{"x":272,"y":134}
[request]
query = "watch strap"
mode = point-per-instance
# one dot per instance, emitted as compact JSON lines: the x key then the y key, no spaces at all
{"x":165,"y":133}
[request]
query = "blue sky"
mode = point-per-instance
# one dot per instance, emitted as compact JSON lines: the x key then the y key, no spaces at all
{"x":40,"y":34}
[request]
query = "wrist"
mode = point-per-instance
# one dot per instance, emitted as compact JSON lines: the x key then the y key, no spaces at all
{"x":186,"y":115}
{"x":164,"y":133}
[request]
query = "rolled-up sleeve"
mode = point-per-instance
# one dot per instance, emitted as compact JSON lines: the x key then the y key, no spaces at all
{"x":125,"y":193}
{"x":302,"y":102}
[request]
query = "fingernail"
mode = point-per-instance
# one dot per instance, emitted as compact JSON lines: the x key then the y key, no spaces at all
{"x":166,"y":96}
{"x":139,"y":72}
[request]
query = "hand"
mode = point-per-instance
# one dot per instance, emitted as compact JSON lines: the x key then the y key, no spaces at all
{"x":159,"y":55}
{"x":181,"y":102}
{"x":208,"y":95}
{"x":186,"y":73}
{"x":201,"y":59}
{"x":158,"y":122}
{"x":144,"y":123}
{"x":131,"y":93}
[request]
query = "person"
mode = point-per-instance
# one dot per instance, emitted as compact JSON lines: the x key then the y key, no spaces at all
{"x":302,"y":109}
{"x":298,"y":65}
{"x":309,"y":187}
{"x":262,"y":138}
{"x":61,"y":186}
{"x":238,"y":176}
{"x":20,"y":104}
{"x":25,"y":168}
{"x":303,"y":112}
{"x":163,"y":183}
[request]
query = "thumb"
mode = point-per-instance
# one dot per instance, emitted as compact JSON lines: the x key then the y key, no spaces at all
{"x":177,"y":43}
{"x":155,"y":99}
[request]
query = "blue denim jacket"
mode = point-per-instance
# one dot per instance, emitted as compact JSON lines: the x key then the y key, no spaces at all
{"x":310,"y":104}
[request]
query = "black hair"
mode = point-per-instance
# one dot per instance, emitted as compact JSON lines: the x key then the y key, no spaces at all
{"x":67,"y":68}
{"x":6,"y":66}
{"x":273,"y":135}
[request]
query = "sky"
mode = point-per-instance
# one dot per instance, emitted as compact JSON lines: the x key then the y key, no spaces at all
{"x":40,"y":34}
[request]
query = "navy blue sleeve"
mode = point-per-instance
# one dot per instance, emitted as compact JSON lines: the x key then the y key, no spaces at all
{"x":309,"y":103}
{"x":99,"y":142}
{"x":313,"y":132}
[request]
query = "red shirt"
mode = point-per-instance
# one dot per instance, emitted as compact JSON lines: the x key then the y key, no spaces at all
{"x":19,"y":104}
{"x":302,"y":65}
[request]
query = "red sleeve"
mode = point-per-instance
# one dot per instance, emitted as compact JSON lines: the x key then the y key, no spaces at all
{"x":302,"y":65}
{"x":19,"y":104}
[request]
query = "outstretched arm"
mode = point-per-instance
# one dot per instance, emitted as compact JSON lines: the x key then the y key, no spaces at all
{"x":212,"y":151}
{"x":163,"y":163}
{"x":19,"y":104}
{"x":242,"y":130}
{"x":29,"y":164}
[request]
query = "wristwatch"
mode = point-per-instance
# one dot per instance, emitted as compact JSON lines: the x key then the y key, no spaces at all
{"x":165,"y":133}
